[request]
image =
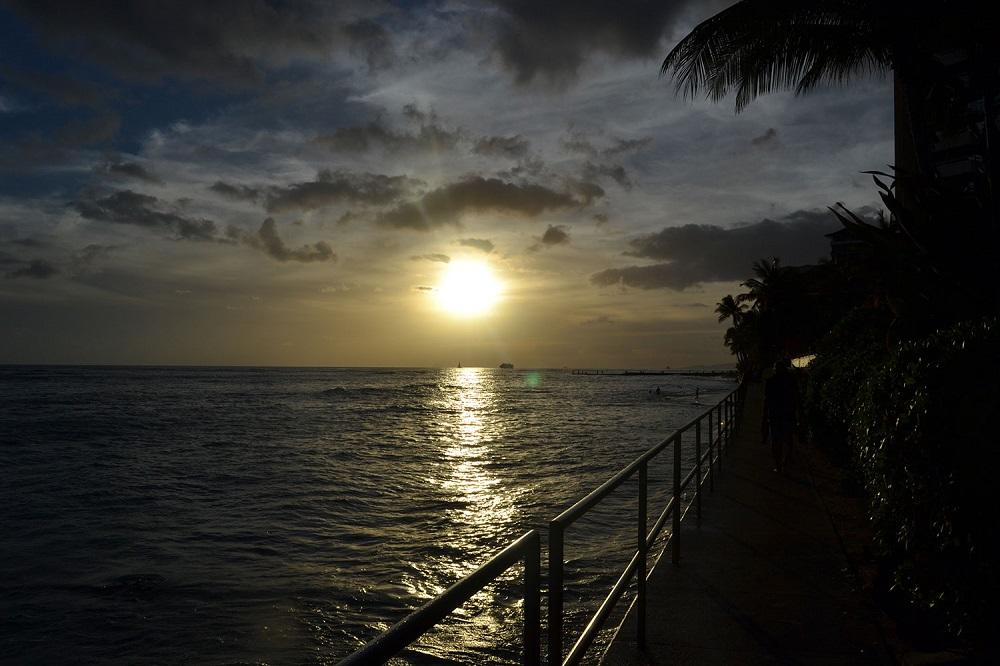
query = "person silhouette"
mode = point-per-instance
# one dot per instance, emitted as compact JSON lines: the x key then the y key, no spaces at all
{"x":780,"y":410}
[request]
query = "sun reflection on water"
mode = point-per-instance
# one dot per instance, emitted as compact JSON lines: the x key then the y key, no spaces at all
{"x":469,"y":451}
{"x":483,"y":513}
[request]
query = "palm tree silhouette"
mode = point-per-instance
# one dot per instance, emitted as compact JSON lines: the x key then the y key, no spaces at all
{"x":760,"y":46}
{"x":729,"y":308}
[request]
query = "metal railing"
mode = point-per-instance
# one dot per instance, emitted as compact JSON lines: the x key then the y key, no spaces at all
{"x":402,"y":634}
{"x":721,"y":420}
{"x":724,"y":415}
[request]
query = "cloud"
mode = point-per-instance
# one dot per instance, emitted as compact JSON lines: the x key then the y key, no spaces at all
{"x":37,"y":269}
{"x":31,"y":148}
{"x":142,"y":210}
{"x":586,"y":190}
{"x":696,"y":253}
{"x":371,"y":42}
{"x":552,"y":39}
{"x":339,"y":187}
{"x":267,"y":240}
{"x":130,"y":170}
{"x":430,"y":137}
{"x":555,"y":235}
{"x":578,"y":141}
{"x":235,"y":192}
{"x":478,"y":243}
{"x":447,"y":204}
{"x":512,"y":147}
{"x":600,"y":218}
{"x":91,"y":253}
{"x":615,"y":172}
{"x":440,"y":258}
{"x":230,"y":41}
{"x":63,"y":89}
{"x":624,"y":146}
{"x":767,"y":139}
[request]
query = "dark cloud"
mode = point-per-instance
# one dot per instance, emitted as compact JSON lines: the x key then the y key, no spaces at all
{"x":142,"y":210}
{"x":63,"y":89}
{"x":371,"y":42}
{"x":440,"y":258}
{"x":348,"y":217}
{"x":555,"y":235}
{"x":696,"y":253}
{"x":578,"y":141}
{"x":130,"y":170}
{"x":88,"y":131}
{"x":512,"y":147}
{"x":339,"y":187}
{"x":624,"y":146}
{"x":92,"y":253}
{"x":447,"y":204}
{"x":231,"y":41}
{"x":235,"y":192}
{"x":552,"y":39}
{"x":267,"y":240}
{"x":600,"y":218}
{"x":478,"y":243}
{"x":31,"y":149}
{"x":597,"y":321}
{"x":430,"y":137}
{"x":767,"y":139}
{"x":586,"y":190}
{"x":615,"y":172}
{"x":37,"y":269}
{"x":422,"y":287}
{"x":28,"y":242}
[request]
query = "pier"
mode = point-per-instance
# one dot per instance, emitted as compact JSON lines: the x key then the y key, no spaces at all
{"x":762,"y":578}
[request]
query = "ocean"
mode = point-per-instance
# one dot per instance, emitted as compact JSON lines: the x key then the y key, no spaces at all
{"x":288,"y":515}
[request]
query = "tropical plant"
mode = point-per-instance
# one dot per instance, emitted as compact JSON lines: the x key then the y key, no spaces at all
{"x":756,"y":47}
{"x":729,"y":308}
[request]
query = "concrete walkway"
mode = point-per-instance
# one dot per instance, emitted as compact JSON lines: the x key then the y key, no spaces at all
{"x":762,"y":580}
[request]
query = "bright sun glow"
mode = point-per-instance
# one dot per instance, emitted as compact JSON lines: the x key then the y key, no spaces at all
{"x":468,"y":288}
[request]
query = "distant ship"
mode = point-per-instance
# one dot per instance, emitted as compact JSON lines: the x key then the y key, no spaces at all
{"x":507,"y":366}
{"x":460,"y":364}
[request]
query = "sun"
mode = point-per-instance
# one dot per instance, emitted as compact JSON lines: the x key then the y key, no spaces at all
{"x":468,"y":288}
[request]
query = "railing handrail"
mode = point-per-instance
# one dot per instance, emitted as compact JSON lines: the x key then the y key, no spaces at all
{"x":645,"y":540}
{"x":528,"y":549}
{"x":414,"y":625}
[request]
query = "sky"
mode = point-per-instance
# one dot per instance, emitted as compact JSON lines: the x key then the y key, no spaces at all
{"x":255,"y":182}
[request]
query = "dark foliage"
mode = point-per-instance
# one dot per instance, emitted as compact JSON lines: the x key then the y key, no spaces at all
{"x":923,"y":429}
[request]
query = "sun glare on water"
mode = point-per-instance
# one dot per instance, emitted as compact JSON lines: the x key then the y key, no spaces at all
{"x":468,"y":288}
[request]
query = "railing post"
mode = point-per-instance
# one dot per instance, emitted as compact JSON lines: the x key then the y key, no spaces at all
{"x":711,"y":454}
{"x":718,"y":424}
{"x":729,"y":419}
{"x":555,"y":592}
{"x":732,"y":414}
{"x":675,"y":536}
{"x":697,"y":462}
{"x":532,"y":603}
{"x":640,"y":612}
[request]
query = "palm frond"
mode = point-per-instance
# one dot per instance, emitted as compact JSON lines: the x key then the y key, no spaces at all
{"x":760,"y":46}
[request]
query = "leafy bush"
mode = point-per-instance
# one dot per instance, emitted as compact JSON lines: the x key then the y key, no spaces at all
{"x":845,"y":358}
{"x":923,"y":428}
